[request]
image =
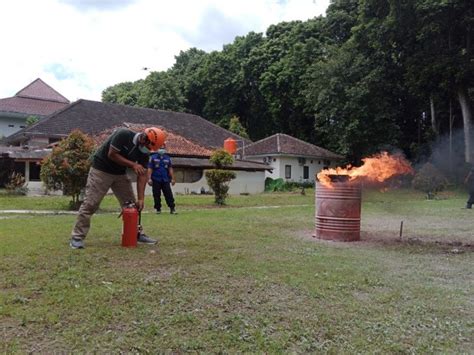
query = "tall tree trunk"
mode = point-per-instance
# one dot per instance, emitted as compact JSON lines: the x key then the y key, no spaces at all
{"x":451,"y":123}
{"x":466,"y":118}
{"x":434,"y":124}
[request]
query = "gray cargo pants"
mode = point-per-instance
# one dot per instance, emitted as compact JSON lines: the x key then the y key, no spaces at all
{"x":98,"y":183}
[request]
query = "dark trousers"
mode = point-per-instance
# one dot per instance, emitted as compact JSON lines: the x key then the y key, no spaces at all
{"x":166,"y":188}
{"x":470,"y":202}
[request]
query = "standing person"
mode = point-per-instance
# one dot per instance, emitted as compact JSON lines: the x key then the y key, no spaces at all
{"x":160,"y":174}
{"x":469,"y":181}
{"x":123,"y":149}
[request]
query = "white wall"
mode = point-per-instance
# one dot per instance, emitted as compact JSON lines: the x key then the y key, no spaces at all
{"x":277,"y":163}
{"x":16,"y":122}
{"x":245,"y":182}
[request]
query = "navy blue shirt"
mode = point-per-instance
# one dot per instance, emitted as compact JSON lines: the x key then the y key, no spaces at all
{"x":160,"y":165}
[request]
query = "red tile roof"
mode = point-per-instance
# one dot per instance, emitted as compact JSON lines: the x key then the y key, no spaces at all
{"x":29,"y":106}
{"x":283,"y":144}
{"x":175,"y":144}
{"x":38,"y":89}
{"x":37,"y":98}
{"x":93,"y":117}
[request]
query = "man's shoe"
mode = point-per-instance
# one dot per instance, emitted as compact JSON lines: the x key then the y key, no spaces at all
{"x":76,"y":243}
{"x":173,"y":211}
{"x":144,"y":239}
{"x":158,"y":211}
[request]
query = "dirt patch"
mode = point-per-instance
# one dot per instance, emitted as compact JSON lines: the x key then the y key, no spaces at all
{"x":450,"y":246}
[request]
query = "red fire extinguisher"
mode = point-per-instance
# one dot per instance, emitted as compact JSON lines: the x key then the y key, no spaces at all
{"x":130,"y":225}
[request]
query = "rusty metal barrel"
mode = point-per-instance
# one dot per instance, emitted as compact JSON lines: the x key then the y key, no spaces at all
{"x":338,"y":211}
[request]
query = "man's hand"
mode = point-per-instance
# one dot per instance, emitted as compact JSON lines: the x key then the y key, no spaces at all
{"x":173,"y":182}
{"x":140,"y":204}
{"x":150,"y":182}
{"x":139,"y":169}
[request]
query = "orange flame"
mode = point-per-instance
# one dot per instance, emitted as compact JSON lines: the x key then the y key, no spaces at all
{"x":378,"y":168}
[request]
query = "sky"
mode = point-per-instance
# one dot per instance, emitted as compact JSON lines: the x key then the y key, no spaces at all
{"x":81,"y":47}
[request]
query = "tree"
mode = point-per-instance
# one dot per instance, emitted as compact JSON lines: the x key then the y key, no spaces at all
{"x":31,"y":120}
{"x":236,"y":127}
{"x":161,"y":91}
{"x":126,"y":93}
{"x":67,"y":166}
{"x":218,"y":179}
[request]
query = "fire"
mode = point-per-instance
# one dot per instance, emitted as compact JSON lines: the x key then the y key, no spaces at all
{"x":374,"y":169}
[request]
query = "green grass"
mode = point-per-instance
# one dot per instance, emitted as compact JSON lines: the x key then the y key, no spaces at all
{"x":109,"y":204}
{"x":242,"y":279}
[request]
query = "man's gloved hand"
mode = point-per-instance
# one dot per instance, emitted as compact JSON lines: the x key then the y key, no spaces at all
{"x":150,"y":182}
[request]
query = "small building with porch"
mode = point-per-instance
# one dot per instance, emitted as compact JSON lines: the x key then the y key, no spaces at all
{"x":290,"y":158}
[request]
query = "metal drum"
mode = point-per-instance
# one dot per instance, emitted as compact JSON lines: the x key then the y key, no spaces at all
{"x":338,"y":211}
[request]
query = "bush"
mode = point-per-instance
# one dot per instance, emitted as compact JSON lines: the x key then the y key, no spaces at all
{"x":280,"y":185}
{"x":429,"y":180}
{"x":16,"y":184}
{"x":218,"y":179}
{"x":67,"y":166}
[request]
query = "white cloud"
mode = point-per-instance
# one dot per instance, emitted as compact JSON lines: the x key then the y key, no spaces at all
{"x":81,"y":47}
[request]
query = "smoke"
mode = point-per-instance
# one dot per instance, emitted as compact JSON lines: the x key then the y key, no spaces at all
{"x":447,"y":154}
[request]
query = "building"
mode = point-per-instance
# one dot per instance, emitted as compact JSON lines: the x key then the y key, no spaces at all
{"x":191,"y":141}
{"x":290,"y":158}
{"x":37,"y":100}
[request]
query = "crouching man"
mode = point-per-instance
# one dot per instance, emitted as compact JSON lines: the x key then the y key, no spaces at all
{"x":123,"y":149}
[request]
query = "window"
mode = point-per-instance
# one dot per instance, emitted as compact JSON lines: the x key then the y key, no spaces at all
{"x":187,"y":175}
{"x":306,"y":172}
{"x":35,"y":169}
{"x":287,"y":171}
{"x":19,"y":167}
{"x":53,"y":140}
{"x":11,"y":125}
{"x":22,"y":126}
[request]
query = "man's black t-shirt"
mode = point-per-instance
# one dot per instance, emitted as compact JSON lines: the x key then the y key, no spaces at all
{"x":122,"y":141}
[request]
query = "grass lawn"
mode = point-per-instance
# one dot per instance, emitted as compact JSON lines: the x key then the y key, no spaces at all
{"x":245,"y":278}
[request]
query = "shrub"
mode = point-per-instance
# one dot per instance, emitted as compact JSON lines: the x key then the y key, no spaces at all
{"x":218,"y":179}
{"x":429,"y":180}
{"x":274,"y":185}
{"x":16,"y":184}
{"x":67,"y":166}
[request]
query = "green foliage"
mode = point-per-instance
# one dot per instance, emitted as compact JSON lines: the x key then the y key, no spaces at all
{"x":273,"y":185}
{"x":67,"y":166}
{"x":280,"y":185}
{"x":355,"y":81}
{"x":219,"y":179}
{"x":429,"y":180}
{"x":221,"y":158}
{"x":16,"y":184}
{"x":126,"y":93}
{"x":160,"y":90}
{"x":236,"y":127}
{"x":31,"y":120}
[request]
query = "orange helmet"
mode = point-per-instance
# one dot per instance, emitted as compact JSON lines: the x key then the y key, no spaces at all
{"x":156,"y":137}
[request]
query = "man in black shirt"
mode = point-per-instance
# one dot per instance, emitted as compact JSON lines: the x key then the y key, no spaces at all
{"x":469,"y":181}
{"x":123,"y":149}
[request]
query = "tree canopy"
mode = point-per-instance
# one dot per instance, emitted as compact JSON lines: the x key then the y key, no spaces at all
{"x":369,"y":75}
